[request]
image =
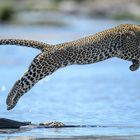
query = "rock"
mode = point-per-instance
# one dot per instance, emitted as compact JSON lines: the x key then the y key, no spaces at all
{"x":11,"y":124}
{"x":52,"y":124}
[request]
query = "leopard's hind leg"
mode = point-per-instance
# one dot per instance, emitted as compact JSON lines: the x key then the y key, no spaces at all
{"x":44,"y":64}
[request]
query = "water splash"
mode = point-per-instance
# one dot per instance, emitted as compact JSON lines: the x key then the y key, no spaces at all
{"x":3,"y":88}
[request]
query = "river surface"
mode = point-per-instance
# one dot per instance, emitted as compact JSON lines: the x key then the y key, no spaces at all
{"x":105,"y":94}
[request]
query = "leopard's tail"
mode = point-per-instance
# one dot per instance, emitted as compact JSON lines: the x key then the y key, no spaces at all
{"x":27,"y":43}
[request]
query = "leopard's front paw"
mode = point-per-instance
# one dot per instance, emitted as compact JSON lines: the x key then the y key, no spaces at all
{"x":135,"y":65}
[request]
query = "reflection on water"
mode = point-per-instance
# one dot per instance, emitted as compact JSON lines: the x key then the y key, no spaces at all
{"x":106,"y":93}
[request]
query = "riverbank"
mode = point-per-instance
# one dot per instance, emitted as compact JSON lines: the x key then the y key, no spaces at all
{"x":53,"y":12}
{"x":82,"y":138}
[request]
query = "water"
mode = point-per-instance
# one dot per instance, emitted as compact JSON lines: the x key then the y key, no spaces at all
{"x":105,"y":94}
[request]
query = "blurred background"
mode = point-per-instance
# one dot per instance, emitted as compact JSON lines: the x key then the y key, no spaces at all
{"x":48,"y":12}
{"x":66,"y":14}
{"x":103,"y":94}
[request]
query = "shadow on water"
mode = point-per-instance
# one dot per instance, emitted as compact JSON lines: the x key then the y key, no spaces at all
{"x":105,"y":94}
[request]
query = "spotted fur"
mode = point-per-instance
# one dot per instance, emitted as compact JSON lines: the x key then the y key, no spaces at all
{"x":122,"y":42}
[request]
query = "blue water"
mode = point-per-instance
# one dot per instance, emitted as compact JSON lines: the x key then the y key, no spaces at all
{"x":105,"y":94}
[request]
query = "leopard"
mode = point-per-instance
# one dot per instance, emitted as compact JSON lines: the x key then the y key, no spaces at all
{"x":122,"y":41}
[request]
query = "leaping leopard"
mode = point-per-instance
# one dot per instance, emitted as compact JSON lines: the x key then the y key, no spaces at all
{"x":122,"y":42}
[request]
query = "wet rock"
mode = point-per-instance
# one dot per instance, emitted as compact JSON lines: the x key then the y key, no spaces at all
{"x":11,"y":124}
{"x":52,"y":124}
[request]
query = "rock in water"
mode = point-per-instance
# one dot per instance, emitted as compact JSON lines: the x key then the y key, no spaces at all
{"x":52,"y":124}
{"x":11,"y":124}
